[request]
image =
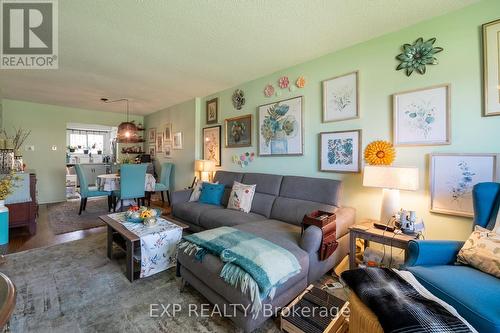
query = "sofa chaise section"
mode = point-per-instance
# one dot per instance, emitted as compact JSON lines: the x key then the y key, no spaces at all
{"x":279,"y":204}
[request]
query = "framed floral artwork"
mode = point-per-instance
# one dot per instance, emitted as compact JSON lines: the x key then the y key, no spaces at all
{"x":452,"y":178}
{"x":212,"y":144}
{"x":167,"y":150}
{"x":167,"y":132}
{"x":340,"y":97}
{"x":177,"y":142}
{"x":491,"y":68}
{"x":422,"y":117}
{"x":152,"y":151}
{"x":280,"y":127}
{"x":238,"y":131}
{"x":340,"y":151}
{"x":152,"y":135}
{"x":159,"y":143}
{"x":212,"y":111}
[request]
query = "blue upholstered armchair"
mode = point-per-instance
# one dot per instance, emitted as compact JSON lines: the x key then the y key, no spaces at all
{"x":474,"y":294}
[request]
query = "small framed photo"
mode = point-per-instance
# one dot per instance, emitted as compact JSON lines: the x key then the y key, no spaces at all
{"x":152,"y":151}
{"x":152,"y":135}
{"x":167,"y":150}
{"x":341,"y":98}
{"x":177,"y":140}
{"x":452,"y":178}
{"x":340,"y":151}
{"x":159,"y":143}
{"x":491,"y":68}
{"x":212,"y":144}
{"x":167,"y":132}
{"x":422,"y":117}
{"x":238,"y":131}
{"x":212,"y":110}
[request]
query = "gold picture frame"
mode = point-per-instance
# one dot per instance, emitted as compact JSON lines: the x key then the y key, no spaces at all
{"x":491,"y":68}
{"x":246,"y":137}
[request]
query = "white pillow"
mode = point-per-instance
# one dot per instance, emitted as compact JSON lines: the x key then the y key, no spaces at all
{"x":195,"y":195}
{"x":241,"y":197}
{"x":496,"y":228}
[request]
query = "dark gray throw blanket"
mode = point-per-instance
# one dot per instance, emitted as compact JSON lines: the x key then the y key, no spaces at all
{"x":398,"y":306}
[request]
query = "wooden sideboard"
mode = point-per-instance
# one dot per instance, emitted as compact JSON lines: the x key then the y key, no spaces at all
{"x":24,"y":214}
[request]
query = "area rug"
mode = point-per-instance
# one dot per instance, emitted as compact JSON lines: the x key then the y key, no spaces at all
{"x":63,"y":216}
{"x":74,"y":287}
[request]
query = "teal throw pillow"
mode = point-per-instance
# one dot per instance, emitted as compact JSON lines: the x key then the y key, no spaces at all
{"x":211,"y":193}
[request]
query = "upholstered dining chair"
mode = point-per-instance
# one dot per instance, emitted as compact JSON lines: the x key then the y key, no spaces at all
{"x":132,"y":184}
{"x":86,"y":192}
{"x":163,"y":185}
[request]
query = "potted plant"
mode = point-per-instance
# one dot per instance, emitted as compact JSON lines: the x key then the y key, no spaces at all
{"x":7,"y":185}
{"x":85,"y":151}
{"x":71,"y":149}
{"x":99,"y":152}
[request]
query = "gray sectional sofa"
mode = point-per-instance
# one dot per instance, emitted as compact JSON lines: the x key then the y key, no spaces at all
{"x":278,"y":207}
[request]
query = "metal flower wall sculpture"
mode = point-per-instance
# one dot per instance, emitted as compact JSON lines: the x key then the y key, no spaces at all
{"x":418,"y":55}
{"x":238,"y":99}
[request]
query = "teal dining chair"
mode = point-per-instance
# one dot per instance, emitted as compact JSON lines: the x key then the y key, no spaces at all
{"x":86,"y":192}
{"x":163,"y":185}
{"x":132,"y":184}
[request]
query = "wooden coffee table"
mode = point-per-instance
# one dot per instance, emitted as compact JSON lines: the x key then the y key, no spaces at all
{"x":128,"y":242}
{"x":7,"y":300}
{"x":365,"y":230}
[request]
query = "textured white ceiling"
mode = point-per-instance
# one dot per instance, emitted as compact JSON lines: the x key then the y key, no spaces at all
{"x":162,"y":52}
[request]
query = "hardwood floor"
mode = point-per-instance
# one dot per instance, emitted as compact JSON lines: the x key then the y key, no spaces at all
{"x":21,"y":240}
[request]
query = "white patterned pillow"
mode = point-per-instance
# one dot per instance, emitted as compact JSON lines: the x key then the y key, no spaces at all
{"x":241,"y":197}
{"x":195,"y":195}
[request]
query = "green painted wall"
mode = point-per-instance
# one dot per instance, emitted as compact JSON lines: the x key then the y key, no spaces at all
{"x":182,"y":117}
{"x":460,"y":64}
{"x":48,"y":127}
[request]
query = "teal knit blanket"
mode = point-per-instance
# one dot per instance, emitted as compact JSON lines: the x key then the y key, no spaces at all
{"x":255,"y":264}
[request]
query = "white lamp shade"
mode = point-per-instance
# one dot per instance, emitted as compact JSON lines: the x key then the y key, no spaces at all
{"x":388,"y":177}
{"x":204,"y":165}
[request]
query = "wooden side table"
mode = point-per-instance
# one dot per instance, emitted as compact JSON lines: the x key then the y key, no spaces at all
{"x":365,"y":230}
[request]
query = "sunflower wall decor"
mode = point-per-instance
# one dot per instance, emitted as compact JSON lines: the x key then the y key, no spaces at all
{"x":417,"y":55}
{"x":380,"y":153}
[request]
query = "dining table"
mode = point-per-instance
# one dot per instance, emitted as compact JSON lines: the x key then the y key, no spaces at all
{"x":111,"y":182}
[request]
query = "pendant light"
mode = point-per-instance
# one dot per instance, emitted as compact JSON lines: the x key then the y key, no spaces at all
{"x":127,"y":131}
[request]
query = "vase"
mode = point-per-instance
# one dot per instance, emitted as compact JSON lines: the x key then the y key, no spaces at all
{"x":18,"y":163}
{"x":279,"y":144}
{"x":4,"y":223}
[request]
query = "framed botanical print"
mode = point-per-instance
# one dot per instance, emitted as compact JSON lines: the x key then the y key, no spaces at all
{"x":177,"y":140}
{"x":238,"y":131}
{"x":491,"y":68}
{"x":212,"y":144}
{"x":281,"y":127}
{"x":212,"y":110}
{"x":167,"y":132}
{"x":152,"y":151}
{"x":452,"y":178}
{"x":422,"y":117}
{"x":167,"y":150}
{"x":152,"y":135}
{"x":341,"y":98}
{"x":159,"y":143}
{"x":340,"y":151}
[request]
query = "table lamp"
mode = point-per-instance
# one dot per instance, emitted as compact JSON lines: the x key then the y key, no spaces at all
{"x":205,"y":168}
{"x":391,"y":180}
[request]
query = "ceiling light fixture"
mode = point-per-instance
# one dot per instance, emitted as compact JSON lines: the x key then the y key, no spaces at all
{"x":127,"y":131}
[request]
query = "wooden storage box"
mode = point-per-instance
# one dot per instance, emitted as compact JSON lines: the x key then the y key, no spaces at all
{"x":293,"y":324}
{"x":319,"y":218}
